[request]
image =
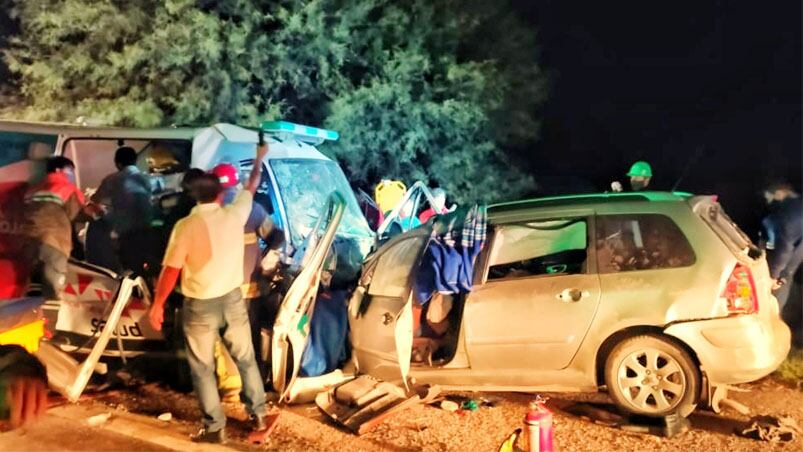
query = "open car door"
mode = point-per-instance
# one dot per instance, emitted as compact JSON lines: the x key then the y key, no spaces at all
{"x":418,"y":196}
{"x":380,"y":311}
{"x":292,"y":326}
{"x":381,"y":318}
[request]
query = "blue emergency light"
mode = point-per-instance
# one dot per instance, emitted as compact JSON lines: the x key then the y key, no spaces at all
{"x":300,"y":132}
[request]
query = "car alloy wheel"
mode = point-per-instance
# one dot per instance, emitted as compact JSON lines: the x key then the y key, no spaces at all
{"x":652,"y":376}
{"x":651,"y":380}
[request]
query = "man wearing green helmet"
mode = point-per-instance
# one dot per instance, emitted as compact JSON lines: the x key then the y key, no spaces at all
{"x":640,"y":175}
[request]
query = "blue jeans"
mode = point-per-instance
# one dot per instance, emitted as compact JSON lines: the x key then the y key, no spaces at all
{"x":203,"y":321}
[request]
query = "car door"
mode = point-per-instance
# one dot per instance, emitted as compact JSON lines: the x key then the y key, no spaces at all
{"x":539,"y":295}
{"x":380,"y":312}
{"x":291,"y":328}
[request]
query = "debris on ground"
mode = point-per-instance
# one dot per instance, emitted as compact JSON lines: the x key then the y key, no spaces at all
{"x":509,"y":445}
{"x":771,"y":428}
{"x":424,"y":427}
{"x":719,"y":398}
{"x":165,"y":417}
{"x":469,"y":405}
{"x":98,"y":419}
{"x":448,"y":405}
{"x":737,"y":406}
{"x":362,"y":404}
{"x":489,"y":402}
{"x":458,"y":403}
{"x":428,"y":393}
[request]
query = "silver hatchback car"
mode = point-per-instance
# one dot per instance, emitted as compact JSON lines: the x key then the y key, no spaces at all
{"x":658,"y":297}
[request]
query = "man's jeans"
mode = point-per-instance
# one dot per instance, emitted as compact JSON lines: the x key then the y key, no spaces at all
{"x":203,"y":322}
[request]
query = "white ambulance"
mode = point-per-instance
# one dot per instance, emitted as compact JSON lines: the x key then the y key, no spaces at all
{"x":298,"y":182}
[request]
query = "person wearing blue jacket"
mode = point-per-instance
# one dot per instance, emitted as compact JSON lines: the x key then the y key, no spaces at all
{"x":786,"y":222}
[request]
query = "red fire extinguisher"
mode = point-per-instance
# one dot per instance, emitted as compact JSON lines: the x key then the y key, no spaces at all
{"x":538,"y":423}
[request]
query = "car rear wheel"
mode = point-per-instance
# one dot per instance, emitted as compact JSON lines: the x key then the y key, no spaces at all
{"x":652,"y":376}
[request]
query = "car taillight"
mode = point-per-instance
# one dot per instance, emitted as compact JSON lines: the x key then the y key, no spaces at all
{"x":740,"y":291}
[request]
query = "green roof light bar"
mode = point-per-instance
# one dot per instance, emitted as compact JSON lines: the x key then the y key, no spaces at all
{"x":300,"y":132}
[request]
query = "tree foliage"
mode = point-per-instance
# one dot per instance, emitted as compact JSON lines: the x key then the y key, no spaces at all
{"x":421,"y":89}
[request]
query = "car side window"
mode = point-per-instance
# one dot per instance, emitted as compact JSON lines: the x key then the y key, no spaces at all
{"x":392,"y":273}
{"x":537,"y":248}
{"x":640,"y":242}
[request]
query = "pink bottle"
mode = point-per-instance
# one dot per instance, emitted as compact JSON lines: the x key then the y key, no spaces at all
{"x":539,"y":427}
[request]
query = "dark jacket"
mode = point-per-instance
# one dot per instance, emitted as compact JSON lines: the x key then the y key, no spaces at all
{"x":787,"y":220}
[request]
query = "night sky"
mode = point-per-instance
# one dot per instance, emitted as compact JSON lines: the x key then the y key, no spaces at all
{"x":665,"y":81}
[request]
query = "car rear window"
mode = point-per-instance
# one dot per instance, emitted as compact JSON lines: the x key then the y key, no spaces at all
{"x":641,"y":242}
{"x":714,"y":215}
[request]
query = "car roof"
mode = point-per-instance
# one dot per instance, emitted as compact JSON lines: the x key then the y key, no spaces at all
{"x":592,"y":199}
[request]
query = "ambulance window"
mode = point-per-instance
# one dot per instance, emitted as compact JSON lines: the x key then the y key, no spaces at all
{"x":165,"y":157}
{"x":17,"y":146}
{"x":392,"y":273}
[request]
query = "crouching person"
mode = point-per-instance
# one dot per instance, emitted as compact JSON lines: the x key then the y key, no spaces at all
{"x":207,"y":249}
{"x":51,"y":206}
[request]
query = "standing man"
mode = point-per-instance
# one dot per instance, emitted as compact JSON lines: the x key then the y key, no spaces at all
{"x":50,"y":208}
{"x":786,"y":224}
{"x":259,"y":226}
{"x":207,"y":248}
{"x":640,"y":175}
{"x":126,"y":196}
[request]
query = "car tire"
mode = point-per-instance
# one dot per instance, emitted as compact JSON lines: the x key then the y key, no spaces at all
{"x":652,"y":376}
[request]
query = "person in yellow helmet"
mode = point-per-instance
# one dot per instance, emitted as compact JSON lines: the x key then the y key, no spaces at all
{"x":640,"y":175}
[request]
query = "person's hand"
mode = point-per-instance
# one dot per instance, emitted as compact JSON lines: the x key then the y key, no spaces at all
{"x":262,"y":151}
{"x":157,"y":317}
{"x":616,"y":186}
{"x":28,"y":399}
{"x":94,"y":210}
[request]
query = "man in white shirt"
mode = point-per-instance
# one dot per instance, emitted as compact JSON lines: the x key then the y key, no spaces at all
{"x":207,"y":249}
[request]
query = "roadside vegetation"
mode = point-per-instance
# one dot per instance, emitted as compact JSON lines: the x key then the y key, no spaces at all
{"x":791,"y":371}
{"x":420,"y":90}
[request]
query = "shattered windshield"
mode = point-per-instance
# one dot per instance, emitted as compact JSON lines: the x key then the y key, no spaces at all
{"x":305,"y":186}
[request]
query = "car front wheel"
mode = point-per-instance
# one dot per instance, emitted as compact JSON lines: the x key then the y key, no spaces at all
{"x":651,"y":376}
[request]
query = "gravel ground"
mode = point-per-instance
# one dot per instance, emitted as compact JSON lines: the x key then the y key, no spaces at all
{"x":429,"y":428}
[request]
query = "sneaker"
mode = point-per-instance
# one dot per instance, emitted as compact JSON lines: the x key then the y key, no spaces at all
{"x":205,"y":436}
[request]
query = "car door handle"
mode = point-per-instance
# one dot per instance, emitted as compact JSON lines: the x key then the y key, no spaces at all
{"x":572,"y":295}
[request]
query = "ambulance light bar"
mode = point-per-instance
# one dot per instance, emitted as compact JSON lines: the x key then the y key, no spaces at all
{"x":300,"y":132}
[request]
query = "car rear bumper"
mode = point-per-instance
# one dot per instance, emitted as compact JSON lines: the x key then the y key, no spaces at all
{"x":736,"y":349}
